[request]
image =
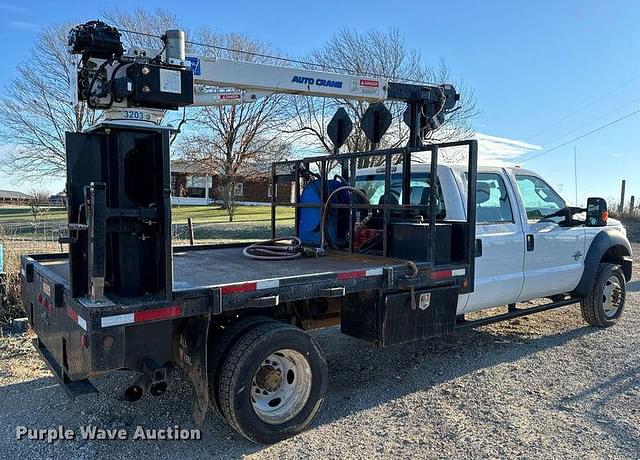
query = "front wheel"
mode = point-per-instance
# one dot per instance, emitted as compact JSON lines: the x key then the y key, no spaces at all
{"x":604,"y":304}
{"x":272,"y":383}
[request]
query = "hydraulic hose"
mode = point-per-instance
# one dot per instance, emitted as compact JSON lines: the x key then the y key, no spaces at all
{"x":283,"y":248}
{"x":290,"y":247}
{"x":325,"y":210}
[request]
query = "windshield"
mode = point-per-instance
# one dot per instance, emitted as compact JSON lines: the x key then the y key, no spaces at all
{"x":539,"y":199}
{"x":373,"y":187}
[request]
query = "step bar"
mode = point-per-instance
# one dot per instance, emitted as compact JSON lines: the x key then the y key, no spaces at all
{"x":514,"y":312}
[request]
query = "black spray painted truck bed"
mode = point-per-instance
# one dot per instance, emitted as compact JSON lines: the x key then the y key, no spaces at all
{"x":378,"y":299}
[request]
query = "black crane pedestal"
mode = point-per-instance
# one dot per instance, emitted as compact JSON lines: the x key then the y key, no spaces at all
{"x":119,"y":207}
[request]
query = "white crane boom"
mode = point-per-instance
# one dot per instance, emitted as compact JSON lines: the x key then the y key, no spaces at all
{"x":139,"y":85}
{"x":270,"y":79}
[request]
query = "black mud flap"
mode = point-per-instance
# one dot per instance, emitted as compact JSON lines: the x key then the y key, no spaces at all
{"x":191,"y":355}
{"x":73,"y":388}
{"x":627,"y":267}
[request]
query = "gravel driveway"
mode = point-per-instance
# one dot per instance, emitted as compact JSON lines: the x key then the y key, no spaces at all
{"x":546,"y":386}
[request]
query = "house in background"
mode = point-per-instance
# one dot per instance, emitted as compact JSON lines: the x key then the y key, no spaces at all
{"x":59,"y":199}
{"x":11,"y":197}
{"x":189,"y":186}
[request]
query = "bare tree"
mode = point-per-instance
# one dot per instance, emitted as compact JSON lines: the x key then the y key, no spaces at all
{"x":373,"y":53}
{"x":38,"y":202}
{"x":141,"y":27}
{"x":238,"y":142}
{"x":36,"y":109}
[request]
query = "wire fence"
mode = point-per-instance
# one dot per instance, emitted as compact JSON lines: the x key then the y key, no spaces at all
{"x":44,"y":236}
{"x":229,"y":232}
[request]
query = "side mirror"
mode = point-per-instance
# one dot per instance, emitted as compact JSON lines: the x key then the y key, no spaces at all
{"x":597,"y":213}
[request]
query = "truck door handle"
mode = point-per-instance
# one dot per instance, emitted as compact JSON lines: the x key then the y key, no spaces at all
{"x":530,"y":242}
{"x":478,"y":247}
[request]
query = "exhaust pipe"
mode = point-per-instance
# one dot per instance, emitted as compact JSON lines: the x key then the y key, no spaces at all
{"x":153,"y":379}
{"x":137,"y":389}
{"x":158,"y":389}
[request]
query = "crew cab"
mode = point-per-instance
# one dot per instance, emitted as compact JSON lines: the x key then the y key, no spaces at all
{"x":527,"y":247}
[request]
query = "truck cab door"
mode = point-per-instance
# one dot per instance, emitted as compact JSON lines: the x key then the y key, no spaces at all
{"x":554,"y":254}
{"x":498,"y":271}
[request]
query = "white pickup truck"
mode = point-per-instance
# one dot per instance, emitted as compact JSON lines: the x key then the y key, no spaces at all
{"x":523,"y":252}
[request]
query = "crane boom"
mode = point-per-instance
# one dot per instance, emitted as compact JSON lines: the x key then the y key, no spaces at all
{"x":270,"y":79}
{"x":140,"y":85}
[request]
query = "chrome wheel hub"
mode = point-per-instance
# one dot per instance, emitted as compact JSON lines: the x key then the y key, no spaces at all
{"x":611,"y":297}
{"x":281,"y":386}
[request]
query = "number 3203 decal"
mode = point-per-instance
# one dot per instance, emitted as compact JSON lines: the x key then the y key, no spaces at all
{"x":134,"y":115}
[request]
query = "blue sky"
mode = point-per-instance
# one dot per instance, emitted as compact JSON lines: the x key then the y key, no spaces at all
{"x":531,"y":64}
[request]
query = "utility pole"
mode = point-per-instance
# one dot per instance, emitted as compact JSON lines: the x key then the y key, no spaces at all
{"x":575,"y":172}
{"x":621,"y":205}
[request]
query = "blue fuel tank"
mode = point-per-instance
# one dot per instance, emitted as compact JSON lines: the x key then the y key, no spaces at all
{"x":309,"y":218}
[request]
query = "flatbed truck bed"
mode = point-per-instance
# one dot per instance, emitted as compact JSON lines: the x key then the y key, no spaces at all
{"x":213,"y":279}
{"x":212,"y":267}
{"x":216,"y":282}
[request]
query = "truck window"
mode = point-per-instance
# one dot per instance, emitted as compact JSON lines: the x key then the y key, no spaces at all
{"x":492,"y":200}
{"x":373,"y":187}
{"x":538,"y":197}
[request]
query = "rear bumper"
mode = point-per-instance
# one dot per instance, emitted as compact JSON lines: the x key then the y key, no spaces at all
{"x":79,"y":341}
{"x":72,"y":388}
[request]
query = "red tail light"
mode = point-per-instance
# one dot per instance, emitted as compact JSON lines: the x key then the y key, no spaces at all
{"x":440,"y":275}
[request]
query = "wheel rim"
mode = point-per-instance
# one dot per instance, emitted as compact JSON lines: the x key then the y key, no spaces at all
{"x":281,"y":386}
{"x":612,"y":296}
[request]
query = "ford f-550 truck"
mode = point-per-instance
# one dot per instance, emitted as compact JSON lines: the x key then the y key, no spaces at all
{"x":527,"y":246}
{"x":387,"y":244}
{"x":237,"y":327}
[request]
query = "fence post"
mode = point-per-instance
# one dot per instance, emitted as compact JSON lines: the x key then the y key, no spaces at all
{"x":632,"y":205}
{"x":190,"y":225}
{"x":621,"y":205}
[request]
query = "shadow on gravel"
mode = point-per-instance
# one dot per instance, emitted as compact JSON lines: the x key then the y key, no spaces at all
{"x":599,"y":396}
{"x":361,"y":377}
{"x":633,"y":286}
{"x":368,"y":376}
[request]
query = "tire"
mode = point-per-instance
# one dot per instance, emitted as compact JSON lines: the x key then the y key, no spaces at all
{"x":605,"y":302}
{"x":272,"y":383}
{"x":219,"y":348}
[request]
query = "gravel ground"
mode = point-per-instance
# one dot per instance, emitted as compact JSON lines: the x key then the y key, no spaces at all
{"x":546,"y":386}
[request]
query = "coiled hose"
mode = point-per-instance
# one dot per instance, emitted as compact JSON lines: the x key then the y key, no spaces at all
{"x":283,"y":248}
{"x":325,"y":210}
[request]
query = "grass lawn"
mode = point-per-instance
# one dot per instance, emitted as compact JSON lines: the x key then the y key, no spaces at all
{"x":23,"y":214}
{"x":199,"y":214}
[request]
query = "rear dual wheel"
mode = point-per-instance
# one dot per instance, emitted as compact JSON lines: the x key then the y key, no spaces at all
{"x":272,"y":383}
